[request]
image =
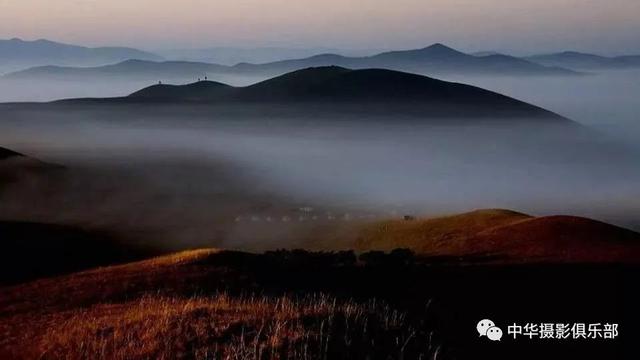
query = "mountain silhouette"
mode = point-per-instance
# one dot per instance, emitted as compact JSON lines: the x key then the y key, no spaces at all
{"x":19,"y":54}
{"x":432,"y":60}
{"x":198,"y":91}
{"x":585,"y":61}
{"x":128,"y":69}
{"x":339,"y":86}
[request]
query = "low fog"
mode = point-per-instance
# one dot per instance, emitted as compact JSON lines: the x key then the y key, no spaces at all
{"x":188,"y":176}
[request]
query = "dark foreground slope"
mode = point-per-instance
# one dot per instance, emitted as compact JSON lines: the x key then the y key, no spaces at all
{"x":336,"y":88}
{"x":33,"y":250}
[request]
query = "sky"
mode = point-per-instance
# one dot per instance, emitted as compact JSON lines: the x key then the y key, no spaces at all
{"x":519,"y":26}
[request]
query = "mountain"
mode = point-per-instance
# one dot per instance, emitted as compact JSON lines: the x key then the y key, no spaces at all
{"x":233,"y":55}
{"x":584,"y":61}
{"x":486,"y":53}
{"x":128,"y":69}
{"x":337,"y":85}
{"x":198,"y":91}
{"x":19,"y":54}
{"x":509,"y":235}
{"x":433,"y":60}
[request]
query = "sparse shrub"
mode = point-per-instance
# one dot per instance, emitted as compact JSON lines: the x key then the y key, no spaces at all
{"x":402,"y":256}
{"x":397,"y":257}
{"x":305,"y":259}
{"x":373,"y":258}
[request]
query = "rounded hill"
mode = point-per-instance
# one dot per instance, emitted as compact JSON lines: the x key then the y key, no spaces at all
{"x":508,"y":235}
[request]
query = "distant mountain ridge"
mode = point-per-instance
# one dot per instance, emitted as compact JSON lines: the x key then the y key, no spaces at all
{"x":226,"y":55}
{"x":586,"y":61}
{"x":129,"y":69}
{"x":20,"y":53}
{"x":432,"y":60}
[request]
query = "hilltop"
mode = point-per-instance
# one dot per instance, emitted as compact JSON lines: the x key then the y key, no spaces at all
{"x":420,"y":95}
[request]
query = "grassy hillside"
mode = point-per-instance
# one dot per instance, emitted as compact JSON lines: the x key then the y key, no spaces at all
{"x":207,"y":304}
{"x":512,"y":236}
{"x":434,"y":236}
{"x":172,"y":307}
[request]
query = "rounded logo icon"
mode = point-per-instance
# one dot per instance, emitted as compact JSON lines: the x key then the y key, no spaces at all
{"x":484,"y":325}
{"x":494,"y":333}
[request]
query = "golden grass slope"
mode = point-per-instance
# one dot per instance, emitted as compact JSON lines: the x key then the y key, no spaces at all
{"x":509,"y":235}
{"x":171,"y":308}
{"x":434,"y":236}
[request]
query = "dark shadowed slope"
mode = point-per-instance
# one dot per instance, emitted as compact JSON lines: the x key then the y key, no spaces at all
{"x":32,"y":250}
{"x":6,"y":153}
{"x":514,"y":236}
{"x":336,"y":85}
{"x":15,"y":167}
{"x":578,"y":60}
{"x":10,"y":158}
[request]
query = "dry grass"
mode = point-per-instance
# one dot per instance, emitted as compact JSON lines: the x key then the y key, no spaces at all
{"x":172,"y":273}
{"x":507,"y":236}
{"x":559,"y":239}
{"x":218,"y":327}
{"x":168,"y":308}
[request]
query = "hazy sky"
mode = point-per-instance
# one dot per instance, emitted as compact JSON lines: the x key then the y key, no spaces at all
{"x":609,"y":26}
